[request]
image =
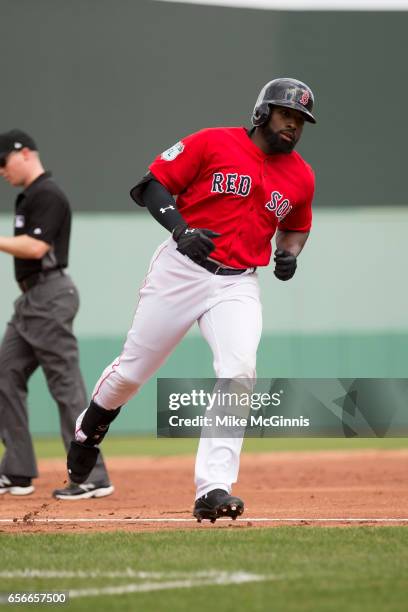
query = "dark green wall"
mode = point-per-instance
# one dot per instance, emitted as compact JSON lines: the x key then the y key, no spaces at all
{"x":104,"y":85}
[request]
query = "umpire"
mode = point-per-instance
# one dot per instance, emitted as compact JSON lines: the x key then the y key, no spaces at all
{"x":40,"y":330}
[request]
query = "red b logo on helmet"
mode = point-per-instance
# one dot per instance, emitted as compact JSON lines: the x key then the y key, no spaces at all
{"x":305,"y":98}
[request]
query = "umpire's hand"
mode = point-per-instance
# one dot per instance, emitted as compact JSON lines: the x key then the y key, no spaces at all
{"x":194,"y":242}
{"x":285,"y":265}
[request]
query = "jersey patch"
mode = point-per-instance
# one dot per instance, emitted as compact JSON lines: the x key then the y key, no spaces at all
{"x":173,"y":152}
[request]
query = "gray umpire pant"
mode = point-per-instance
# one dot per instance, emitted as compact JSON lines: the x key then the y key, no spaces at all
{"x":40,"y":334}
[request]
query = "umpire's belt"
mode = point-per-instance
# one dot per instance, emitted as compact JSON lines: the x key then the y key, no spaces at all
{"x":34,"y":279}
{"x":215,"y":268}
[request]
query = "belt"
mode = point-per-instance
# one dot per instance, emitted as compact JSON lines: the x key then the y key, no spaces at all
{"x":215,"y":268}
{"x":32,"y":280}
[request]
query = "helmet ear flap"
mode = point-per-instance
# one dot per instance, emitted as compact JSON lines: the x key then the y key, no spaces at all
{"x":261,"y":114}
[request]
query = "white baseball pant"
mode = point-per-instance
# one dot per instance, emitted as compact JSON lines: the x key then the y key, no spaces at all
{"x":175,"y":294}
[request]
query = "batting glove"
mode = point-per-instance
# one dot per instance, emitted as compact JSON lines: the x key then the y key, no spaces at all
{"x":285,"y":265}
{"x":194,"y":242}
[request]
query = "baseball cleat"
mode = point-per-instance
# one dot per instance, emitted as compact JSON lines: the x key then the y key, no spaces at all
{"x":84,"y":491}
{"x":15,"y":486}
{"x":216,"y":504}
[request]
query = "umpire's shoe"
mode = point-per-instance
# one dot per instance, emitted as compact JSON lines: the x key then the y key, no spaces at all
{"x":16,"y":485}
{"x":216,"y":504}
{"x":84,"y":491}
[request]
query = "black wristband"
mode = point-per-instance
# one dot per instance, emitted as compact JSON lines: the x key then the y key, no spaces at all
{"x":178,"y":230}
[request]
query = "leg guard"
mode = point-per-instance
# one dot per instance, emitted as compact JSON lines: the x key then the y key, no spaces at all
{"x":81,"y":461}
{"x":93,"y":424}
{"x":91,"y":428}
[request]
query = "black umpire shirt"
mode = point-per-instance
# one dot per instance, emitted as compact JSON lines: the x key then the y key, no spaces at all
{"x":43,"y":212}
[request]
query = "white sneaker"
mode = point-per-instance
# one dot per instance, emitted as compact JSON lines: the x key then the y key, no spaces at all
{"x":8,"y":486}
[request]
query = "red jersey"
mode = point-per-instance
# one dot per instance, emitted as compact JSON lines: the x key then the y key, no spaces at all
{"x":226,"y":183}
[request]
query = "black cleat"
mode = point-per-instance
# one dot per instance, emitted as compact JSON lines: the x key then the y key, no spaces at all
{"x":216,"y":504}
{"x":81,"y":461}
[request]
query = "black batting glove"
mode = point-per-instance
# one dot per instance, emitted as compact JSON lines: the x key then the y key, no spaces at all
{"x":285,"y":265}
{"x":194,"y":242}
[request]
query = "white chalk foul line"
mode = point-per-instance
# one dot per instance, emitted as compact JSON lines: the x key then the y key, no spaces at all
{"x":144,"y":587}
{"x":173,"y":580}
{"x":128,"y":572}
{"x":162,"y":520}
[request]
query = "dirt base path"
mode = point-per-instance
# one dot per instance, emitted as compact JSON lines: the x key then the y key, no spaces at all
{"x":156,"y":493}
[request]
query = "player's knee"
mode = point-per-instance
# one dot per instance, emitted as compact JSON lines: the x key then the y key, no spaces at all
{"x":240,"y":369}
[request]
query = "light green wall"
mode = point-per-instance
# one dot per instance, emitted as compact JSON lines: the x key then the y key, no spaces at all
{"x":351,"y":275}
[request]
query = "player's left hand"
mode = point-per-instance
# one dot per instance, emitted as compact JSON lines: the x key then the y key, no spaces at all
{"x":195,"y":242}
{"x":285,"y":265}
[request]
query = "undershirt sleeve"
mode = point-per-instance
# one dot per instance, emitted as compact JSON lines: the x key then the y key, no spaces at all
{"x":161,"y":205}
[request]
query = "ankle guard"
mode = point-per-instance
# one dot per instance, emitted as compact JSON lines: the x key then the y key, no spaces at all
{"x":93,"y":424}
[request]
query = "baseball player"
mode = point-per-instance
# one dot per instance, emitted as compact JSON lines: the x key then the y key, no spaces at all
{"x":236,"y":189}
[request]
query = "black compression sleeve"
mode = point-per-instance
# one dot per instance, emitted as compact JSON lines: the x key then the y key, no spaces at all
{"x":161,"y":205}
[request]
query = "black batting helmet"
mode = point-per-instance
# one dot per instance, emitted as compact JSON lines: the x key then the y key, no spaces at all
{"x":283,"y":92}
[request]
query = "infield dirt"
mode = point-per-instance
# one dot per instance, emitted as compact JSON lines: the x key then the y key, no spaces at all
{"x":371,"y":484}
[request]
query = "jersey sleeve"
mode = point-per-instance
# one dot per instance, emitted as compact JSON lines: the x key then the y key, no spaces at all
{"x":46,"y":216}
{"x":179,"y":165}
{"x":300,"y":217}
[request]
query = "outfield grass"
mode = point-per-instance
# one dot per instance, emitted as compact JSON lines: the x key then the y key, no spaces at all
{"x":128,"y":446}
{"x":300,"y":569}
{"x":117,"y":446}
{"x":305,"y":568}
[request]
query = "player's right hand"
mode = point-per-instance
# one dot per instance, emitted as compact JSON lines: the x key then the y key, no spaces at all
{"x":194,"y":242}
